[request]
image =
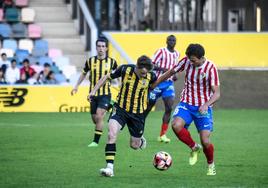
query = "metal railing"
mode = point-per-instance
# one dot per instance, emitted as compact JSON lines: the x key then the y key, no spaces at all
{"x":86,"y":24}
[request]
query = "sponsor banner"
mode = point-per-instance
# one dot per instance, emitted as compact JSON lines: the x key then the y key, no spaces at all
{"x":45,"y":99}
{"x":224,"y":49}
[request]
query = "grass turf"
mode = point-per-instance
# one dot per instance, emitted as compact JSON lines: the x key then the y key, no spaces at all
{"x":50,"y":150}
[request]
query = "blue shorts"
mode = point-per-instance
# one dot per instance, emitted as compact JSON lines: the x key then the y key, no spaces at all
{"x":164,"y":89}
{"x":190,"y":113}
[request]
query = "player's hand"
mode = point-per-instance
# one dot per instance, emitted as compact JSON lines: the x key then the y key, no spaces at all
{"x":74,"y":91}
{"x":203,"y":109}
{"x":90,"y":96}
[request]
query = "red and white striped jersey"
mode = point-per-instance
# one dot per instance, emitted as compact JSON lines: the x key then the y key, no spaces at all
{"x":198,"y":81}
{"x":163,"y":58}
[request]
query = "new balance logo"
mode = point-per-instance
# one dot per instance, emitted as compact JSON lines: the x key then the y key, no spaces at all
{"x":12,"y":98}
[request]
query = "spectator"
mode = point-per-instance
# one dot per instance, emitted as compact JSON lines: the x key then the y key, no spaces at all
{"x":12,"y":73}
{"x":51,"y":78}
{"x":44,"y":74}
{"x":22,"y":79}
{"x":27,"y":69}
{"x":2,"y":77}
{"x":4,"y":62}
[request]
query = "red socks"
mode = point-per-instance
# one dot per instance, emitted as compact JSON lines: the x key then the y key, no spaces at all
{"x":185,"y":137}
{"x":209,"y":152}
{"x":164,"y":129}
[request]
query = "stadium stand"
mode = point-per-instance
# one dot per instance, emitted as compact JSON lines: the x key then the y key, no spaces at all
{"x":27,"y":31}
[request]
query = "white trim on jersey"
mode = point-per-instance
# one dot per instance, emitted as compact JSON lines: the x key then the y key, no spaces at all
{"x":198,"y":81}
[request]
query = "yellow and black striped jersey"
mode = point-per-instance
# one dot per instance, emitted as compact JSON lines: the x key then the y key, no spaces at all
{"x":97,"y":68}
{"x":133,"y":93}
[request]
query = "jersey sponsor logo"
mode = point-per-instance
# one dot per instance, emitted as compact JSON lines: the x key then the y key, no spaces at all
{"x":12,"y":98}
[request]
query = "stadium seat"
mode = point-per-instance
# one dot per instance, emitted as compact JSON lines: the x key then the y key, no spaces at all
{"x":53,"y":53}
{"x":5,"y":30}
{"x":60,"y":78}
{"x":9,"y":52}
{"x":55,"y":69}
{"x":21,"y":3}
{"x":1,"y":14}
{"x":10,"y":44}
{"x":34,"y":31}
{"x":61,"y":61}
{"x":21,"y":55}
{"x":12,"y":15}
{"x":26,"y":44}
{"x":45,"y":59}
{"x":27,"y":15}
{"x":19,"y":30}
{"x":40,"y":48}
{"x":68,"y":71}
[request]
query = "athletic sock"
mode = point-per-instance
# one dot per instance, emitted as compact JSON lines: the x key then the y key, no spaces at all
{"x":110,"y":151}
{"x":97,"y":136}
{"x":164,"y":129}
{"x":209,"y":152}
{"x":185,"y":136}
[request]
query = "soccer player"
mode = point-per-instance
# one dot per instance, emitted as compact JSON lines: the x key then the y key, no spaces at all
{"x":164,"y":60}
{"x":98,"y":66}
{"x":129,"y":108}
{"x":201,"y":91}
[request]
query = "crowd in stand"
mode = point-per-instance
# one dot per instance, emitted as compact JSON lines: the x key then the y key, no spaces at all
{"x":10,"y":73}
{"x":25,"y":56}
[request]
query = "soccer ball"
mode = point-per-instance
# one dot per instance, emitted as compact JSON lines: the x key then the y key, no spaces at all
{"x":162,"y":160}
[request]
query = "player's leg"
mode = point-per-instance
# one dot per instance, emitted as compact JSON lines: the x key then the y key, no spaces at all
{"x":204,"y":124}
{"x":136,"y":129}
{"x":168,"y":96}
{"x":110,"y":148}
{"x":101,"y":107}
{"x":182,"y":118}
{"x":168,"y":102}
{"x":116,"y":122}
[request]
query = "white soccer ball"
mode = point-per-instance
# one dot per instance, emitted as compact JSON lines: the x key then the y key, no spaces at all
{"x":162,"y":160}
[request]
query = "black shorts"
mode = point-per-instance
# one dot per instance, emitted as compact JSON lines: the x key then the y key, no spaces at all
{"x":135,"y":122}
{"x":102,"y":101}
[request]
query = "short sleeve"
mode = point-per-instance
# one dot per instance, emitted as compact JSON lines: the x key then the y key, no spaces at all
{"x":118,"y":72}
{"x":86,"y":66}
{"x":115,"y":65}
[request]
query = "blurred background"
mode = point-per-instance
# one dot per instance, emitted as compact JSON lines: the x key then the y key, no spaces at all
{"x":57,"y":36}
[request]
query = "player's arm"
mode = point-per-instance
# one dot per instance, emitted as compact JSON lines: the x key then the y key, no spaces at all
{"x":79,"y":81}
{"x":81,"y":77}
{"x":162,"y":78}
{"x":215,"y":96}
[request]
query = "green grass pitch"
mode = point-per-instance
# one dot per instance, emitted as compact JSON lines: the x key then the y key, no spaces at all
{"x":50,"y":150}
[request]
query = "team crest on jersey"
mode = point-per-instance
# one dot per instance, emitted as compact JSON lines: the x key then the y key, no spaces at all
{"x":143,"y":82}
{"x":106,"y":66}
{"x":203,"y":75}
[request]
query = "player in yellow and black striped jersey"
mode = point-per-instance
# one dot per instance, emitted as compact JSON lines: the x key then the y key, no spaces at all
{"x":97,"y":67}
{"x":129,"y":107}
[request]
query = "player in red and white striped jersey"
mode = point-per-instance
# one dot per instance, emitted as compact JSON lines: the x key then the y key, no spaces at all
{"x":164,"y":59}
{"x":201,"y":90}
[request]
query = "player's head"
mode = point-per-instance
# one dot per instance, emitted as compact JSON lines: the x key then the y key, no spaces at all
{"x":102,"y":46}
{"x":144,"y":65}
{"x":195,"y":53}
{"x":171,"y":41}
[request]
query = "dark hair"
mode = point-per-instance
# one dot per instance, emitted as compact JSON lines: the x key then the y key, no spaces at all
{"x":195,"y":50}
{"x":26,"y":61}
{"x":144,"y":62}
{"x":3,"y":54}
{"x":13,"y":60}
{"x":102,"y":39}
